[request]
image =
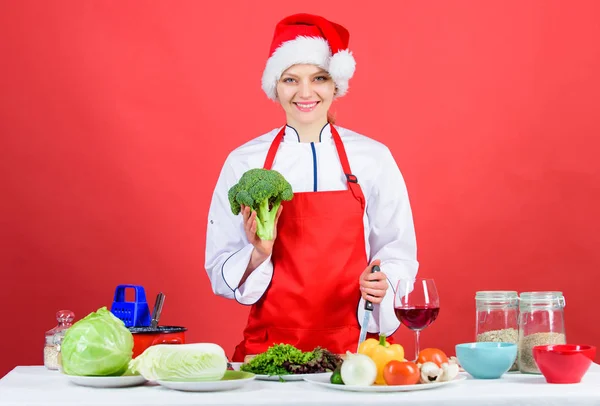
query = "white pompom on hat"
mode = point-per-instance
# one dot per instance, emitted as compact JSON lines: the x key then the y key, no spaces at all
{"x":309,"y":39}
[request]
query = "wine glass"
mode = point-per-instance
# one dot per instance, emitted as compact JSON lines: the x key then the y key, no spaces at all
{"x":417,"y":305}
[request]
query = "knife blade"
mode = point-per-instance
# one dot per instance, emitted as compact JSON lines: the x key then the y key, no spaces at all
{"x":367,"y":316}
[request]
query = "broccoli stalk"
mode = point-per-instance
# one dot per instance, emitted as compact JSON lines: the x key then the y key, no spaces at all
{"x":262,"y":190}
{"x":265,"y":219}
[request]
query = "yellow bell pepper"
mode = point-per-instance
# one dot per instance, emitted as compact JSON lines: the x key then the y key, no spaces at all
{"x":381,"y":352}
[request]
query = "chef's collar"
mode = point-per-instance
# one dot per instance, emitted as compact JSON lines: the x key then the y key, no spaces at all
{"x":291,"y":135}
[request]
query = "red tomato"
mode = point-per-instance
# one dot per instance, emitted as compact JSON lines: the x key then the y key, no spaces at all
{"x":432,"y":355}
{"x":401,"y":373}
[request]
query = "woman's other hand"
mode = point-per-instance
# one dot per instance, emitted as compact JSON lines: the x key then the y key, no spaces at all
{"x":373,"y":285}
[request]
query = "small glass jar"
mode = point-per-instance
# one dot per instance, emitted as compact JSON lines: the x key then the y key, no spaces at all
{"x":54,"y":338}
{"x":497,"y":317}
{"x":541,"y":322}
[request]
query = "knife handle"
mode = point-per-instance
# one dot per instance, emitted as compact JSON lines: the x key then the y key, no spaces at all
{"x":369,"y":305}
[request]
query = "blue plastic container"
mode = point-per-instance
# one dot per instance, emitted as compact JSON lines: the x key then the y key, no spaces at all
{"x":133,"y":314}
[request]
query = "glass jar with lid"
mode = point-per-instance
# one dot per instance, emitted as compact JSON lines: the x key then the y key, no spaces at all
{"x":54,"y":338}
{"x":497,"y":317}
{"x":541,"y":322}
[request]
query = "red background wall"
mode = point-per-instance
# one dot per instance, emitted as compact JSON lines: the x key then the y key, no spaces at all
{"x":115,"y":119}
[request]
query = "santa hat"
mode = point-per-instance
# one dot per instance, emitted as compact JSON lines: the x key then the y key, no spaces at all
{"x":309,"y":39}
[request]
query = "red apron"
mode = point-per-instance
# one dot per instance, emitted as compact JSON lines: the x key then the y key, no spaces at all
{"x":318,"y":256}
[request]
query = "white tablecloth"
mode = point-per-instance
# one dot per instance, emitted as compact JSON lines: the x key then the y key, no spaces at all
{"x":38,"y":386}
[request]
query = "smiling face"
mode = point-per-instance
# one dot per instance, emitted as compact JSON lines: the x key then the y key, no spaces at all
{"x":305,"y":92}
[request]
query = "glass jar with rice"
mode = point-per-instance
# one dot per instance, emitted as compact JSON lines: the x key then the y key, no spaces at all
{"x":497,"y":317}
{"x":541,"y":322}
{"x":53,"y":339}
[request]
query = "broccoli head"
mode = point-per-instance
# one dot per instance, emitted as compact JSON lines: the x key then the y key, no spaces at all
{"x":262,"y":190}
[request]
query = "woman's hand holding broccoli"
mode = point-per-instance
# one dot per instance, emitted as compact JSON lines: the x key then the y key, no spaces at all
{"x":263,"y":248}
{"x":258,"y":196}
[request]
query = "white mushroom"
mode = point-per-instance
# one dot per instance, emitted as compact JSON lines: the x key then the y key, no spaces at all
{"x":454,"y":360}
{"x":450,"y":370}
{"x":430,"y":372}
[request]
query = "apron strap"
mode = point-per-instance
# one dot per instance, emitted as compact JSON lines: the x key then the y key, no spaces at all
{"x":273,"y":149}
{"x":351,"y":179}
{"x":339,"y":145}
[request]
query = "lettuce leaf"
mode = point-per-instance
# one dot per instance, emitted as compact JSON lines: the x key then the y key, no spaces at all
{"x":285,"y":359}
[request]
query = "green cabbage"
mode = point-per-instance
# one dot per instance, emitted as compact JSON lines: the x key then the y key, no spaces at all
{"x":97,"y":345}
{"x":181,"y":362}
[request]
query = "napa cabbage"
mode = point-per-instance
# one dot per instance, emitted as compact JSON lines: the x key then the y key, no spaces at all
{"x":181,"y":362}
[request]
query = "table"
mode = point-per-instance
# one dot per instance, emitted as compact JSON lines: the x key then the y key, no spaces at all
{"x":34,"y":385}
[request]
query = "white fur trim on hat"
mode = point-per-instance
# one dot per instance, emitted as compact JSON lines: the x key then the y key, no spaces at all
{"x":310,"y":50}
{"x":342,"y":65}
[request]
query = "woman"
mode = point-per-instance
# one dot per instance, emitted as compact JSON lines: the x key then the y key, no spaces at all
{"x":350,"y":209}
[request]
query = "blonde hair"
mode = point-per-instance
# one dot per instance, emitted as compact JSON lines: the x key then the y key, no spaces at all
{"x":331,"y":117}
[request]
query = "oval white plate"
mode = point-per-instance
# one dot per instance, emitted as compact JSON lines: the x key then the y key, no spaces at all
{"x":294,"y":377}
{"x":291,"y":377}
{"x":322,"y":381}
{"x":107,"y":381}
{"x":231,"y":380}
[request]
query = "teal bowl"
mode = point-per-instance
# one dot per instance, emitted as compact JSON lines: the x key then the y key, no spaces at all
{"x":485,"y":360}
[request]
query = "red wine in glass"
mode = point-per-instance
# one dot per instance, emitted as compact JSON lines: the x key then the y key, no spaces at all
{"x":418,"y":317}
{"x":417,"y":305}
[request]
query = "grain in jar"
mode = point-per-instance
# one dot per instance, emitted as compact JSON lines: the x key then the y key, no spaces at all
{"x":497,"y":313}
{"x":541,"y":322}
{"x":53,"y":339}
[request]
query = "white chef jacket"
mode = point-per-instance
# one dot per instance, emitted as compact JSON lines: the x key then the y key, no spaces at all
{"x":315,"y":166}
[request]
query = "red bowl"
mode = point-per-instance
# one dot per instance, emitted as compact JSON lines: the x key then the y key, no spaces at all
{"x":563,"y":363}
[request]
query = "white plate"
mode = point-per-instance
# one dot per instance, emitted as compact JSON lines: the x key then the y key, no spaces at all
{"x":231,"y":380}
{"x":290,"y":377}
{"x":107,"y":381}
{"x":294,"y":377}
{"x":322,"y":381}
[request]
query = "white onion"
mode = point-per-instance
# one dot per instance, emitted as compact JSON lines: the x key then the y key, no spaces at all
{"x":358,"y":370}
